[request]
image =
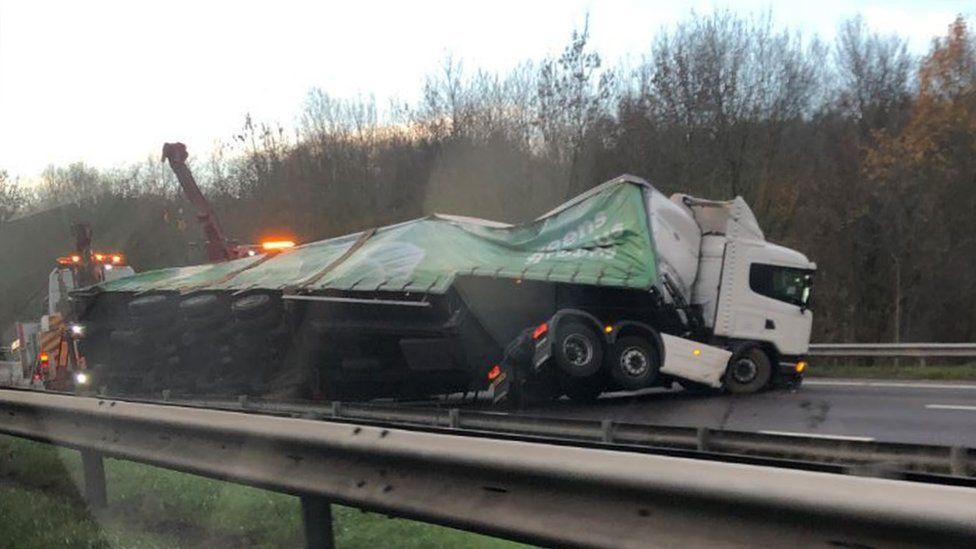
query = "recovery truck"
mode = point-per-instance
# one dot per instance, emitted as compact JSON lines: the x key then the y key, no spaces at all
{"x":48,"y":350}
{"x":619,"y":288}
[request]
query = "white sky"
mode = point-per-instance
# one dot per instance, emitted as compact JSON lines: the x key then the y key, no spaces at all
{"x":108,"y":82}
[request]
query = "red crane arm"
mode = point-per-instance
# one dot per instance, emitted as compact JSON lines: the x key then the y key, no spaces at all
{"x":218,"y":247}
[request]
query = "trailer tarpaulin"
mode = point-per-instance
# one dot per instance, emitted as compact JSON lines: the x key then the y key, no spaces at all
{"x":599,"y":238}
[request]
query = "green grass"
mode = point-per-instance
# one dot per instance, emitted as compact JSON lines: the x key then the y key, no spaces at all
{"x":909,"y":369}
{"x":155,"y":508}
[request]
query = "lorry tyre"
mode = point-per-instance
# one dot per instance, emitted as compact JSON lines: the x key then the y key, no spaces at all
{"x":578,"y":349}
{"x":253,"y":306}
{"x":149,"y":306}
{"x":202,"y":306}
{"x":634,"y":363}
{"x":749,"y":371}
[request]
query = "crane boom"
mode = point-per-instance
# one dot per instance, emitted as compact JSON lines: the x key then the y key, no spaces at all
{"x":218,"y":247}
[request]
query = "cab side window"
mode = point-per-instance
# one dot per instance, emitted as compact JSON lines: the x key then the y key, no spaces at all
{"x":781,"y":283}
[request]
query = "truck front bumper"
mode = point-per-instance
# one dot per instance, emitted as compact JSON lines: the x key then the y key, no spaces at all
{"x":790,"y":371}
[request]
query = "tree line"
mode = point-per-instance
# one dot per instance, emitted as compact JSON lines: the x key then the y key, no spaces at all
{"x":856,"y":152}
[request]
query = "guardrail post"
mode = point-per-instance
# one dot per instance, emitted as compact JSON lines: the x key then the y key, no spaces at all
{"x":702,"y":438}
{"x":454,"y":418}
{"x":94,"y":472}
{"x":317,"y":522}
{"x":606,"y":430}
{"x":957,"y":461}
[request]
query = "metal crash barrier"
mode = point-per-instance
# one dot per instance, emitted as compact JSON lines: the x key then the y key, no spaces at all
{"x":536,"y":492}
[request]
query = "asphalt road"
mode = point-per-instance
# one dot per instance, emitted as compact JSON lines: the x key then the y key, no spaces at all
{"x":941,"y":413}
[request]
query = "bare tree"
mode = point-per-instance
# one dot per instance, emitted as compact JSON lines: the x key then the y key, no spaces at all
{"x":574,"y":93}
{"x":12,"y":198}
{"x":723,"y":84}
{"x":875,"y":75}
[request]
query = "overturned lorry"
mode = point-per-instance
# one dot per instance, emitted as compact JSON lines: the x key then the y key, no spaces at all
{"x":619,"y":288}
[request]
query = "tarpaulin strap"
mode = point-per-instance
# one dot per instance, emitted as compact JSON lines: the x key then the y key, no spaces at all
{"x":432,"y":284}
{"x":572,"y":279}
{"x":599,"y":278}
{"x":630,"y":272}
{"x":335,"y":263}
{"x":192,"y":288}
{"x":357,"y":282}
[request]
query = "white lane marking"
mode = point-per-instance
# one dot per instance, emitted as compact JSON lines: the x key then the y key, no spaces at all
{"x":887,"y":384}
{"x":950,"y":407}
{"x":817,"y":435}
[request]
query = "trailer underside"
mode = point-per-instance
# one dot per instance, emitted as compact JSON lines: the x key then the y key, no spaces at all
{"x":350,"y":345}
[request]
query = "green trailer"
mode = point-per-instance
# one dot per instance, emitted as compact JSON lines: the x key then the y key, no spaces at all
{"x":433,"y":305}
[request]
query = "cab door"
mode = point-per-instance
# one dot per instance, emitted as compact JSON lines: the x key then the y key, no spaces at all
{"x":763,"y":295}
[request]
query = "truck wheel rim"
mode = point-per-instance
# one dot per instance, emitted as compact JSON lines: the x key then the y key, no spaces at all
{"x":633,"y":361}
{"x":744,"y":370}
{"x":577,"y":350}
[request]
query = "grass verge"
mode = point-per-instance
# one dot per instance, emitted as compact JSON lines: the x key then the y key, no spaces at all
{"x":911,"y":370}
{"x":154,"y":508}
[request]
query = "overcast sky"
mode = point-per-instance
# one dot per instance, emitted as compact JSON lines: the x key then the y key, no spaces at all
{"x":108,"y":82}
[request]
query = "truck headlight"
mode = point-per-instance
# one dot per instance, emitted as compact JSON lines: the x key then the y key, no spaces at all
{"x":81,"y":378}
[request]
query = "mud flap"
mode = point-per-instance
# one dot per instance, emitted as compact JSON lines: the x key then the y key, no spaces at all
{"x":500,"y":387}
{"x":519,"y":357}
{"x":542,"y":352}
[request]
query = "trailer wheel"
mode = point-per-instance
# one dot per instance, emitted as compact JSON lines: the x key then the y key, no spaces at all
{"x":578,"y":350}
{"x":634,"y":363}
{"x":749,"y":370}
{"x":202,"y":306}
{"x":149,"y":306}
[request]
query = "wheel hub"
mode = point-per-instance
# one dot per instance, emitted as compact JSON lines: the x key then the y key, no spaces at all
{"x":577,"y":349}
{"x":634,"y":362}
{"x":744,"y":370}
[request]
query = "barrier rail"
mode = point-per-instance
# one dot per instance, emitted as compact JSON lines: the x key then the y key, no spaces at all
{"x":893,"y":350}
{"x":531,"y":491}
{"x":849,"y":455}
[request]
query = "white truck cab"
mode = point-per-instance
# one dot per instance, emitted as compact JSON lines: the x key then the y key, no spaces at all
{"x":765,"y":294}
{"x":748,"y":288}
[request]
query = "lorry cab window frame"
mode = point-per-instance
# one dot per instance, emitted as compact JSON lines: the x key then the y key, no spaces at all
{"x":787,"y":284}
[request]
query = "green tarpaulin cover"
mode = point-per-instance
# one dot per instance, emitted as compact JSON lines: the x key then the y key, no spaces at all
{"x":600,"y":238}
